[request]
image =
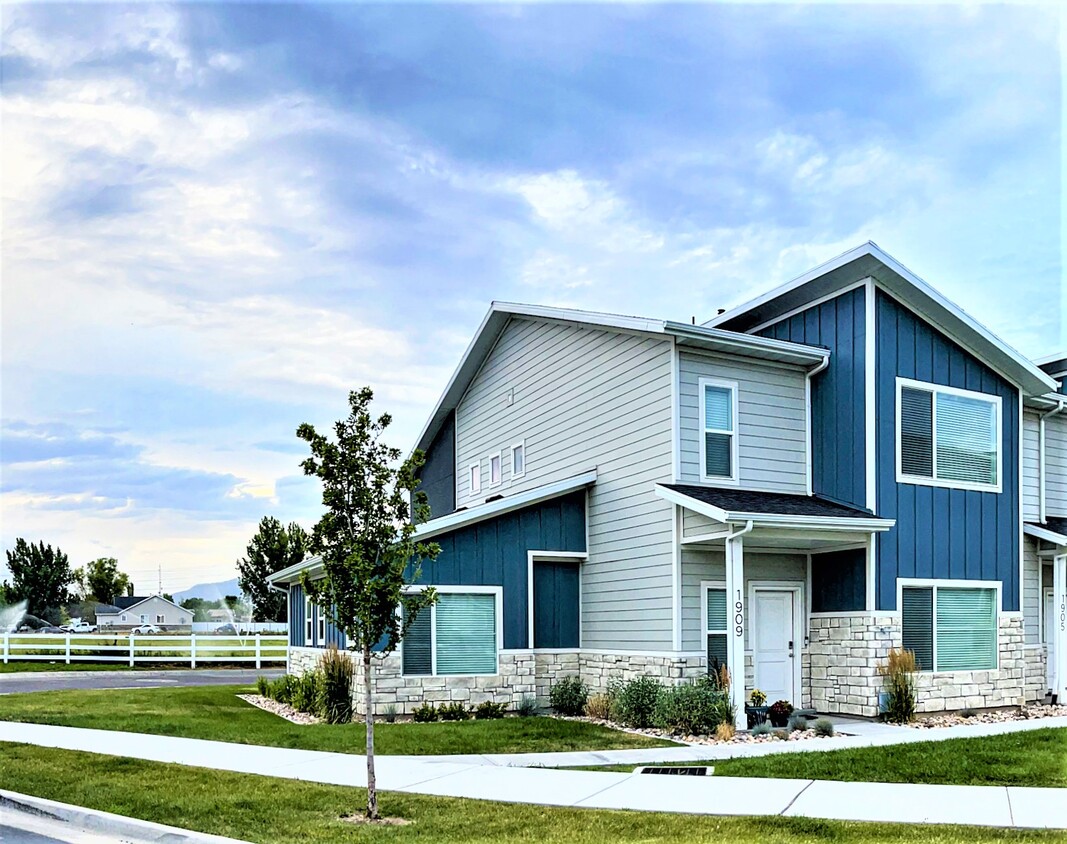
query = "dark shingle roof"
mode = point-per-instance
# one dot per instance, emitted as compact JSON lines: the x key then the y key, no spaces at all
{"x":106,"y":609}
{"x":125,"y":602}
{"x":770,"y":503}
{"x":1056,"y":524}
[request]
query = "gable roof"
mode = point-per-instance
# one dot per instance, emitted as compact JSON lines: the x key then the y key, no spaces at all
{"x":684,"y":334}
{"x":870,"y":261}
{"x":129,"y":602}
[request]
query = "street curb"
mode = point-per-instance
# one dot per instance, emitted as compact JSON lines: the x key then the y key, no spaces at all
{"x":121,"y":828}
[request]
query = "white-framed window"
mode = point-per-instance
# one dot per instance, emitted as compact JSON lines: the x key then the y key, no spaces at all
{"x":459,"y":635}
{"x":714,"y":622}
{"x":948,"y":437}
{"x":474,"y":474}
{"x":718,"y":430}
{"x":160,"y":619}
{"x":181,"y":619}
{"x":518,"y":459}
{"x":144,"y":618}
{"x":308,"y":620}
{"x":123,"y":617}
{"x":495,"y":470}
{"x":322,"y":628}
{"x":950,"y":625}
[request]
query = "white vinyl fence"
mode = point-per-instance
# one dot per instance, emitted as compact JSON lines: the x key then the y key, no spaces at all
{"x":133,"y":650}
{"x":279,"y":627}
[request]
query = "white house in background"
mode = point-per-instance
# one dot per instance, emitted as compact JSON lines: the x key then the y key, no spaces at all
{"x":133,"y":611}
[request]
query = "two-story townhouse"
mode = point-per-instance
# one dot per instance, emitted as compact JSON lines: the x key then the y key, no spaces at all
{"x":831,"y":469}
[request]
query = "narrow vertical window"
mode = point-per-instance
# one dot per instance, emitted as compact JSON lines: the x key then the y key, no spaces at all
{"x":916,"y":432}
{"x":494,"y":470}
{"x":308,"y":607}
{"x":475,"y":474}
{"x":518,"y":460}
{"x":715,"y":610}
{"x":718,"y":412}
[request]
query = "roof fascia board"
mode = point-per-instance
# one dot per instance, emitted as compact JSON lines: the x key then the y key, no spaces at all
{"x":1045,"y":534}
{"x":310,"y":564}
{"x":814,"y":303}
{"x":149,"y":598}
{"x":674,"y":497}
{"x":454,"y":521}
{"x":749,"y":344}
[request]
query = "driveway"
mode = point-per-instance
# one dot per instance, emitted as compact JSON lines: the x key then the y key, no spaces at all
{"x":42,"y":681}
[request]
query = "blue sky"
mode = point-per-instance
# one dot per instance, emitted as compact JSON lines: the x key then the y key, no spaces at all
{"x":219,"y":219}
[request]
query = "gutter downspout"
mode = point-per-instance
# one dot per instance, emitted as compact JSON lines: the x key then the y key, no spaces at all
{"x":1061,"y":405}
{"x":741,"y":532}
{"x":808,"y":421}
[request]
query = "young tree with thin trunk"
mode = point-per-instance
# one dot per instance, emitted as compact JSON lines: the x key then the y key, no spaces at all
{"x":366,"y":542}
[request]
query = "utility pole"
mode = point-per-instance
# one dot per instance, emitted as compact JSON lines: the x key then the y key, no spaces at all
{"x":160,"y":592}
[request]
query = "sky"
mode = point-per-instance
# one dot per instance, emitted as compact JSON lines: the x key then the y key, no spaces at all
{"x":219,"y":219}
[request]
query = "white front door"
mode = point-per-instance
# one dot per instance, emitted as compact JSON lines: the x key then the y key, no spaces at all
{"x":773,"y":651}
{"x":1050,"y":639}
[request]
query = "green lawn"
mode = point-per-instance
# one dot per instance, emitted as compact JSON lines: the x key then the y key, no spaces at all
{"x":1032,"y":758}
{"x":213,"y":712}
{"x":277,"y":811}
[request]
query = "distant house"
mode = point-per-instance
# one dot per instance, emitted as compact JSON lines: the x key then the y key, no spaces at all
{"x":134,"y":611}
{"x":219,"y":615}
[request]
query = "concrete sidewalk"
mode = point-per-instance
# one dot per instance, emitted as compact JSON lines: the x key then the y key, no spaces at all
{"x":886,"y":802}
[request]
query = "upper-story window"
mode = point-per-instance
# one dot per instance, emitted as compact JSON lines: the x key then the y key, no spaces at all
{"x":518,"y":460}
{"x":718,"y":422}
{"x":474,"y":472}
{"x":494,"y":470}
{"x":947,"y":437}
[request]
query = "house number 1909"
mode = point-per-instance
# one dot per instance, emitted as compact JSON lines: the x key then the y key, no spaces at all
{"x":739,"y":615}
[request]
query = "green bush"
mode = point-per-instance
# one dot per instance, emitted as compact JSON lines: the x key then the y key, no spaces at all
{"x":263,"y":686}
{"x":635,"y":702}
{"x":336,"y":687}
{"x":824,"y":727}
{"x":489,"y":711}
{"x":527,"y":707}
{"x":306,"y":692}
{"x":389,"y":713}
{"x":899,"y":671}
{"x":797,"y":724}
{"x":455,"y":711}
{"x":568,"y":696}
{"x":424,"y":714}
{"x":282,"y":689}
{"x":691,"y":709}
{"x":762,"y":729}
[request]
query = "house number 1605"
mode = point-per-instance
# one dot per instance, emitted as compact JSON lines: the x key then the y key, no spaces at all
{"x":739,"y":615}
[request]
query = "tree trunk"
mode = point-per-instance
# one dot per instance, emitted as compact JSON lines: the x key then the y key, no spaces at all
{"x":368,"y":707}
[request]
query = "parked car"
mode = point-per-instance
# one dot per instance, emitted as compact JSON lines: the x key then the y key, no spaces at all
{"x":226,"y":630}
{"x":145,"y":629}
{"x":51,"y":629}
{"x":81,"y":627}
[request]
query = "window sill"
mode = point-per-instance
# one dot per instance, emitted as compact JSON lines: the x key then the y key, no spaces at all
{"x":960,"y":485}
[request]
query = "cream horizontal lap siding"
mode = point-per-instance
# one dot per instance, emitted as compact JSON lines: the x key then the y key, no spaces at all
{"x":1056,"y":465}
{"x":1031,"y":468}
{"x":772,"y":444}
{"x":1032,"y":592}
{"x":150,"y":609}
{"x":583,"y":398}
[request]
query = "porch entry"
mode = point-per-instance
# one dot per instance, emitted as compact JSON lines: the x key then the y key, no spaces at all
{"x":775,"y":642}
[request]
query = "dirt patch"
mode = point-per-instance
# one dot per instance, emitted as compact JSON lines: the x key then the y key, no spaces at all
{"x":363,"y":820}
{"x":282,"y":710}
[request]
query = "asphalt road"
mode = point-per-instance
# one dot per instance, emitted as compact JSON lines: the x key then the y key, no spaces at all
{"x":42,"y":681}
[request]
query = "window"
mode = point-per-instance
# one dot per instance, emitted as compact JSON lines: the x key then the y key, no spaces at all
{"x":715,"y":624}
{"x":308,"y":607}
{"x":494,"y":470}
{"x":181,"y":619}
{"x":455,"y":636}
{"x":718,"y":422}
{"x":144,"y":619}
{"x":322,"y":628}
{"x":950,"y":628}
{"x":518,"y":460}
{"x":160,"y":619}
{"x":947,"y":437}
{"x":123,"y":616}
{"x":475,"y":475}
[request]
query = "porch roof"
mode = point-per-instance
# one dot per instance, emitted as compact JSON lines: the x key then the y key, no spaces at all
{"x":1054,"y":530}
{"x":776,"y":509}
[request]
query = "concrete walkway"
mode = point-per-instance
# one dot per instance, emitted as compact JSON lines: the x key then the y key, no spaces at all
{"x":887,"y":802}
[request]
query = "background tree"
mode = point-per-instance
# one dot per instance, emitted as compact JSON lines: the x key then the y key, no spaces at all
{"x":40,"y":576}
{"x":102,"y":580}
{"x":273,"y":548}
{"x":366,"y":542}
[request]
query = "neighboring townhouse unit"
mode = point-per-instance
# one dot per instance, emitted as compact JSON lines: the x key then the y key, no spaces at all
{"x":132,"y":611}
{"x":844,"y":464}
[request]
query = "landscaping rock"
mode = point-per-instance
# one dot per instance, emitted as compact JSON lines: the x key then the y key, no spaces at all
{"x":282,"y":709}
{"x":1025,"y":713}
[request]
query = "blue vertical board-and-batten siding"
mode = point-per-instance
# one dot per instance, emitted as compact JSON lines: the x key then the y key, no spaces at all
{"x":297,"y":619}
{"x":494,"y":553}
{"x":557,"y":615}
{"x":839,"y":581}
{"x":838,"y":399}
{"x":438,"y":473}
{"x":941,"y":533}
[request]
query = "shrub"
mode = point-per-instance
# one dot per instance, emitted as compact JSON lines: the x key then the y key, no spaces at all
{"x":762,"y":729}
{"x":797,"y":724}
{"x":967,"y":712}
{"x":455,"y":711}
{"x":781,"y":734}
{"x":424,"y":714}
{"x":527,"y":706}
{"x":692,"y":709}
{"x":568,"y":696}
{"x":635,"y":704}
{"x":263,"y":686}
{"x":899,"y":669}
{"x":307,"y":692}
{"x":389,"y":713}
{"x":824,"y":727}
{"x":725,"y":732}
{"x":489,"y":710}
{"x":719,"y":682}
{"x":282,"y":689}
{"x":336,"y":688}
{"x":599,"y":707}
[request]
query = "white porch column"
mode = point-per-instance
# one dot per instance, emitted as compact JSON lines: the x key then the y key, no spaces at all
{"x":1059,"y":626}
{"x":736,"y":612}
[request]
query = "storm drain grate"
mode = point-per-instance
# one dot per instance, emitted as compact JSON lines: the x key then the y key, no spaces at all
{"x":695,"y":771}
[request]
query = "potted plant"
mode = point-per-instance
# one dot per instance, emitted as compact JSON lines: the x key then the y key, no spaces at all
{"x":779,"y":712}
{"x":756,"y":710}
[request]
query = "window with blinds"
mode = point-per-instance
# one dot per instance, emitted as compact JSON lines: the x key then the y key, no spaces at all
{"x":948,"y":437}
{"x":950,"y":628}
{"x":715,"y":611}
{"x":455,"y":636}
{"x":718,"y":411}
